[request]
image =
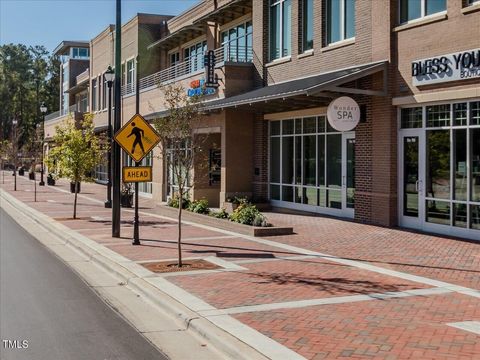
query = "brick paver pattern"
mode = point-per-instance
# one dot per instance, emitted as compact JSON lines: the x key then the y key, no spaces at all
{"x":413,"y":327}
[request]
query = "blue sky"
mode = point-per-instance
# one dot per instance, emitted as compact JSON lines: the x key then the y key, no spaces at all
{"x":48,"y":22}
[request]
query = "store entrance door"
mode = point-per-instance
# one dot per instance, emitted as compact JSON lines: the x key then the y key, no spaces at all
{"x":348,"y":174}
{"x":411,"y":179}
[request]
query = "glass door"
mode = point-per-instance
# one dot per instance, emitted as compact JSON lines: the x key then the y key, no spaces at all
{"x":348,"y":174}
{"x":411,"y":182}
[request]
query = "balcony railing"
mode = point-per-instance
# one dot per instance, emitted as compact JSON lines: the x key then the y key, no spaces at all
{"x":60,"y":113}
{"x":83,"y":76}
{"x":227,"y":53}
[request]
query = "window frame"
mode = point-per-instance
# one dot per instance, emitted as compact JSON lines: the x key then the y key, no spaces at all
{"x":303,"y":28}
{"x":342,"y":23}
{"x":423,"y":9}
{"x":281,"y":4}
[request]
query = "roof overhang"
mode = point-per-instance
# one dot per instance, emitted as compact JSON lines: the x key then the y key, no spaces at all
{"x":78,"y":88}
{"x":227,"y":12}
{"x":304,"y":93}
{"x":181,"y":36}
{"x":64,"y":45}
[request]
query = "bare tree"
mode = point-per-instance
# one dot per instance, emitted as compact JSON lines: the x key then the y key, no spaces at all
{"x":180,"y":146}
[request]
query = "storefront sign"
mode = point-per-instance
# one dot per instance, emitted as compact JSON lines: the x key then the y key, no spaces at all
{"x":197,"y":88}
{"x":136,"y":174}
{"x":343,"y":114}
{"x":452,"y":67}
{"x":209,"y":63}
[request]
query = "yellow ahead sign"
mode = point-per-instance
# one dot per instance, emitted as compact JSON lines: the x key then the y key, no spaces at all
{"x":137,"y":137}
{"x":136,"y":173}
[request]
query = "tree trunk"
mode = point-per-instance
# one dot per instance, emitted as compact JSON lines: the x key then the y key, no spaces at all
{"x":75,"y":203}
{"x":180,"y":205}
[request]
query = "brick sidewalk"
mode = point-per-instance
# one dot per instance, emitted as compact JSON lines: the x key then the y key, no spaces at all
{"x":289,"y":289}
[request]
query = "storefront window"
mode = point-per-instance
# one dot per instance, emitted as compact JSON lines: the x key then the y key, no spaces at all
{"x":438,"y":164}
{"x":306,"y":163}
{"x":443,"y":172}
{"x":475,"y":113}
{"x":340,"y":20}
{"x":460,"y":114}
{"x":438,"y":115}
{"x":411,"y":118}
{"x":475,"y":161}
{"x":415,"y":9}
{"x":280,"y":28}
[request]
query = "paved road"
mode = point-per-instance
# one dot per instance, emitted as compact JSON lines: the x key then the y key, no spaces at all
{"x":43,"y":302}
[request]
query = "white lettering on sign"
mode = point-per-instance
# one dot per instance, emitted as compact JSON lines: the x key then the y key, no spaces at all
{"x":343,"y":114}
{"x":452,"y":67}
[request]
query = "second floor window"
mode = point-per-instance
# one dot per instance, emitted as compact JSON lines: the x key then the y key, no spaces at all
{"x":340,"y":20}
{"x":280,"y":28}
{"x":130,"y":72}
{"x":416,"y":9}
{"x":237,"y":43}
{"x":307,"y":25}
{"x":174,"y":58}
{"x":194,"y":55}
{"x":94,"y":95}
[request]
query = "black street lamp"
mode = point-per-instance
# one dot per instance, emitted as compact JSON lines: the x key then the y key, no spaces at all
{"x":109,"y":77}
{"x":43,"y":110}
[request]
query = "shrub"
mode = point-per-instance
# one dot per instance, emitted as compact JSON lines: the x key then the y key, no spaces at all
{"x":222,"y":214}
{"x":173,"y":202}
{"x":248,"y":214}
{"x":199,"y":206}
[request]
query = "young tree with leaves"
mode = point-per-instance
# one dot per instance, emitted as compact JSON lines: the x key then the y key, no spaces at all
{"x":76,"y":152}
{"x":179,"y":144}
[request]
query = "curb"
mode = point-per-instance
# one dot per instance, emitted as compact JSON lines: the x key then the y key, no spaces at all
{"x":134,"y":275}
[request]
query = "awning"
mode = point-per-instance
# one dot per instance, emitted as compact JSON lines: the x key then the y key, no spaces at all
{"x":313,"y":91}
{"x":180,"y":36}
{"x":306,"y":92}
{"x":227,"y":12}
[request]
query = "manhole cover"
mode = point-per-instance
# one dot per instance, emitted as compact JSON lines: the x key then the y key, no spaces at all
{"x":172,"y":266}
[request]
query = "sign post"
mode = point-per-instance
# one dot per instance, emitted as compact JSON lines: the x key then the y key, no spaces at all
{"x":137,"y":138}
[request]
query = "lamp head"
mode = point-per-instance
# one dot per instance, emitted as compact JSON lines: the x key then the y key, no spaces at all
{"x":109,"y":75}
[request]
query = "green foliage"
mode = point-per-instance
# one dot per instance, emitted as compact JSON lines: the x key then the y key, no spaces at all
{"x":199,"y":206}
{"x":174,"y":201}
{"x":248,"y":214}
{"x":237,"y":200}
{"x":222,"y":214}
{"x":28,"y":77}
{"x":77,"y":150}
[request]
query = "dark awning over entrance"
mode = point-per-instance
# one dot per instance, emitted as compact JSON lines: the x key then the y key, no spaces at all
{"x":306,"y":92}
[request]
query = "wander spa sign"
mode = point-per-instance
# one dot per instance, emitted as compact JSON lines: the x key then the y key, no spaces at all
{"x":461,"y":65}
{"x":343,"y":114}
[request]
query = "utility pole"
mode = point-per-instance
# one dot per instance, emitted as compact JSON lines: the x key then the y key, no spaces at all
{"x":117,"y":124}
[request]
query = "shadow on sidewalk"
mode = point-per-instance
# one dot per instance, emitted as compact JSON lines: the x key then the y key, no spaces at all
{"x":332,"y":285}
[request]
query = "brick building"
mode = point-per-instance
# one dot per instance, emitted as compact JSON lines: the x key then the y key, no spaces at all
{"x":411,"y":156}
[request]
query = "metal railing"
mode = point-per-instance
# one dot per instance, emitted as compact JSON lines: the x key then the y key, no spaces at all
{"x":227,"y":53}
{"x":61,"y":113}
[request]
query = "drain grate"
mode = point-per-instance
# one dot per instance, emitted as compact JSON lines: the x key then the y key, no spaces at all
{"x":172,"y":266}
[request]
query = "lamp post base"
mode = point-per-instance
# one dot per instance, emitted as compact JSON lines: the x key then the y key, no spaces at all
{"x":41,"y":183}
{"x":108,"y":204}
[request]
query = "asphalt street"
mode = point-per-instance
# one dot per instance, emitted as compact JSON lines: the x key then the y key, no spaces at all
{"x":48,"y":312}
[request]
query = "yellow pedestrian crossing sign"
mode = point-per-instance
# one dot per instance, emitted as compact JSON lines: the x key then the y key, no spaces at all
{"x":137,"y":137}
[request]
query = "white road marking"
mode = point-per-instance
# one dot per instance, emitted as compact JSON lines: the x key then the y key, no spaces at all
{"x":472,"y":326}
{"x":325,"y":301}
